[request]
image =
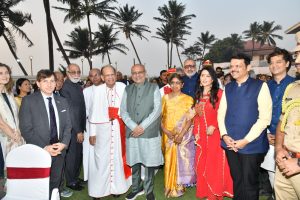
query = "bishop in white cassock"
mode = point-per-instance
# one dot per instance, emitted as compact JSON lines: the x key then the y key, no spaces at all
{"x":108,"y":172}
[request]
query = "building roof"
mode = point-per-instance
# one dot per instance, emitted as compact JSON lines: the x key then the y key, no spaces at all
{"x":294,"y":29}
{"x":258,"y":49}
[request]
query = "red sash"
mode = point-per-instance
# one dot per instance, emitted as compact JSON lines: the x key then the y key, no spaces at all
{"x":113,"y":114}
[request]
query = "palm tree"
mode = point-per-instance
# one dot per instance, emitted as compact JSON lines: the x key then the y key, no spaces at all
{"x":16,"y":19}
{"x":172,"y":15}
{"x":107,"y":40}
{"x":51,"y":29}
{"x":267,"y":33}
{"x":124,"y":19}
{"x":205,"y":41}
{"x":178,"y":41}
{"x":79,"y":44}
{"x":193,"y":52}
{"x":254,"y":33}
{"x":49,"y":33}
{"x":80,"y":9}
{"x":163,"y":34}
{"x":235,"y":43}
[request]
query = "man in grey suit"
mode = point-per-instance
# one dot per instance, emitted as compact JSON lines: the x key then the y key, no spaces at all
{"x":72,"y":91}
{"x":140,"y":111}
{"x":45,"y":121}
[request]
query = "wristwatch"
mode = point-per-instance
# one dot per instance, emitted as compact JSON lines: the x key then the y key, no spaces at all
{"x":298,"y":162}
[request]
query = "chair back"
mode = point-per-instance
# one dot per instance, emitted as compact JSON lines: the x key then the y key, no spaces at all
{"x":28,"y":172}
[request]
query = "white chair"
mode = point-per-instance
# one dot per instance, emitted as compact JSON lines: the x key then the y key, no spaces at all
{"x":28,"y":172}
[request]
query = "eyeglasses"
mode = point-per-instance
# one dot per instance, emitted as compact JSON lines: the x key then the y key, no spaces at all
{"x":176,"y":83}
{"x":74,"y":72}
{"x":189,"y":66}
{"x":137,"y":73}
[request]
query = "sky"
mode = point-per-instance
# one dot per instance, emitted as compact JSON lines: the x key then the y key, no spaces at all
{"x":219,"y":17}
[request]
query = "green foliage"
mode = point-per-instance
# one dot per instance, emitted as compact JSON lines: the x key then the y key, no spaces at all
{"x":263,"y":33}
{"x":79,"y":43}
{"x":205,"y":41}
{"x":174,"y":25}
{"x":193,"y":52}
{"x":125,"y":20}
{"x":107,"y":40}
{"x":12,"y":21}
{"x":79,"y":9}
{"x":222,"y":50}
{"x":267,"y":33}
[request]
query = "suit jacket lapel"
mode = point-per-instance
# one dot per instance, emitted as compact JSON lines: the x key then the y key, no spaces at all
{"x":59,"y":107}
{"x":43,"y":110}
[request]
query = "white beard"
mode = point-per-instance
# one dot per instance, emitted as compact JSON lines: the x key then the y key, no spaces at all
{"x":75,"y":80}
{"x":191,"y":74}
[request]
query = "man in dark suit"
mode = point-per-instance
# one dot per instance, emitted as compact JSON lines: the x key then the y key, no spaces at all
{"x":72,"y":91}
{"x":45,"y":121}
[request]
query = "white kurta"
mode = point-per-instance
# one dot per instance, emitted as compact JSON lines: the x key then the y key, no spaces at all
{"x":106,"y":173}
{"x":88,"y":94}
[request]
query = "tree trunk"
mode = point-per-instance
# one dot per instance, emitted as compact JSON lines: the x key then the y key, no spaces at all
{"x":61,"y":48}
{"x":202,"y":57}
{"x":179,"y":56}
{"x":168,"y":53}
{"x":135,"y":50}
{"x":171,"y":52}
{"x":90,"y":41}
{"x":108,"y":57}
{"x":90,"y":62}
{"x":253,"y":42}
{"x":14,"y":54}
{"x":50,"y":40}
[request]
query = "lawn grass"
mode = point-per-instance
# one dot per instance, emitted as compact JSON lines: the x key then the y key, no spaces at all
{"x":158,"y":191}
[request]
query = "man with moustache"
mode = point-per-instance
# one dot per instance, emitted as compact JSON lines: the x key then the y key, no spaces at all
{"x":243,"y":116}
{"x":108,"y":172}
{"x":95,"y":77}
{"x":191,"y":77}
{"x":72,"y":91}
{"x":287,"y":142}
{"x":140,"y":111}
{"x":280,"y":62}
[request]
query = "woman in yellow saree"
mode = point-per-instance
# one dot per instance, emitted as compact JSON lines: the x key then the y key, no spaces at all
{"x":177,"y":139}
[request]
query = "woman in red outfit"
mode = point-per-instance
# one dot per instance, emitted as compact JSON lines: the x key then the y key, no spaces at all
{"x":213,"y":175}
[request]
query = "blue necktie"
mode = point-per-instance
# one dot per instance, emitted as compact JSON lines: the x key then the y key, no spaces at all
{"x":53,"y":126}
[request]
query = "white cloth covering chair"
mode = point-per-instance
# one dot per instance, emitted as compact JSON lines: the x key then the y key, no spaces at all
{"x":28,"y":173}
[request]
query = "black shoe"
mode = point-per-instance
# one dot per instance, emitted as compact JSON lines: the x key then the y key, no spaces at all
{"x":150,"y":196}
{"x":75,"y":186}
{"x":81,"y":182}
{"x":133,"y":195}
{"x":116,"y":195}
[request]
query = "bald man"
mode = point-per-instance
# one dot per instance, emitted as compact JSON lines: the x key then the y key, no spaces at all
{"x":95,"y":77}
{"x":140,"y":111}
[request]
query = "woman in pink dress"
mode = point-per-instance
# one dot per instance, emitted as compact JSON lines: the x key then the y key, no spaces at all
{"x":213,"y":175}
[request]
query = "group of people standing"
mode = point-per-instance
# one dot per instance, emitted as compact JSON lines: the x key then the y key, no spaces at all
{"x":204,"y":135}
